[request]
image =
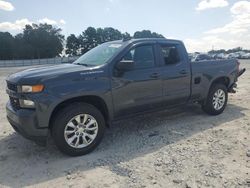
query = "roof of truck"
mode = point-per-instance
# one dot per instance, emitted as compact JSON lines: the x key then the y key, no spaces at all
{"x":152,"y":39}
{"x":139,"y":40}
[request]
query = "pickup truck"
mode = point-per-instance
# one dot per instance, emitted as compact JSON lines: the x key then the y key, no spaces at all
{"x":119,"y":79}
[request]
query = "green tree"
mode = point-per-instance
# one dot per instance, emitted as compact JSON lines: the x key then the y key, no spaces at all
{"x":217,"y":51}
{"x":126,"y":35}
{"x":45,"y":39}
{"x":22,"y":49}
{"x":147,"y":34}
{"x":6,"y":45}
{"x":72,"y":45}
{"x":111,"y":34}
{"x":92,"y":37}
{"x":238,"y":49}
{"x":89,"y":39}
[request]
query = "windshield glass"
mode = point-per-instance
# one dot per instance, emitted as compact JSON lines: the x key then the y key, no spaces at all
{"x":99,"y":55}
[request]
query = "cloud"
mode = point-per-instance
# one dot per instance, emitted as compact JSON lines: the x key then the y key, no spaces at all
{"x":208,"y":4}
{"x":210,"y":42}
{"x":62,"y":21}
{"x":233,"y":34}
{"x":241,"y":20}
{"x":17,"y":25}
{"x":48,"y":21}
{"x":4,"y":5}
{"x":20,"y":24}
{"x":241,"y":7}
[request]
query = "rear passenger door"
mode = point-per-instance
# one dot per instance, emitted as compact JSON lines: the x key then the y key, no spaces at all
{"x":176,"y":74}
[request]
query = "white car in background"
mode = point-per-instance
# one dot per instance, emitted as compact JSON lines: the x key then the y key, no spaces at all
{"x":232,"y":56}
{"x":221,"y":56}
{"x":246,"y":56}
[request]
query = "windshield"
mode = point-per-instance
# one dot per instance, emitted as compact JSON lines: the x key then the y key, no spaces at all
{"x":99,"y":55}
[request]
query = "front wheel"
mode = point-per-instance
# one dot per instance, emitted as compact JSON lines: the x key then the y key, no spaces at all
{"x":217,"y":100}
{"x":78,"y":129}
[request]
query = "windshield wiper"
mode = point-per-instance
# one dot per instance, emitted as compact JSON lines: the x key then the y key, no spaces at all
{"x":84,"y":64}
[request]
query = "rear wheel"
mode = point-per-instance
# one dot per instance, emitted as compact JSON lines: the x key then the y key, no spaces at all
{"x":78,"y":129}
{"x":216,"y":100}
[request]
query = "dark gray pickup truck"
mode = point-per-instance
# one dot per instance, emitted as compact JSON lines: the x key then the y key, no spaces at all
{"x":76,"y":102}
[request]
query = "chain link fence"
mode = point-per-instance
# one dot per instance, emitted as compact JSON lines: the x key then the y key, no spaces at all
{"x":29,"y":62}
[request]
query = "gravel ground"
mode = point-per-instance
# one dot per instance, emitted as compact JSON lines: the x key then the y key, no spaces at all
{"x":177,"y":148}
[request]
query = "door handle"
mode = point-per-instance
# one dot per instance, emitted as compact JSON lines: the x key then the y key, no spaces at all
{"x":183,"y":72}
{"x":155,"y":75}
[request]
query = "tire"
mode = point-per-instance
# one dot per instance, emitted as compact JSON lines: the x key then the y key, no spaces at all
{"x":78,"y":129}
{"x":210,"y":104}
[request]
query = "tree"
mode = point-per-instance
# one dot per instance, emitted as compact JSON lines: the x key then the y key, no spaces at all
{"x":110,"y":34}
{"x":45,"y":39}
{"x":217,"y":51}
{"x":126,"y":36}
{"x":233,"y":50}
{"x":36,"y":41}
{"x":92,"y":37}
{"x":88,"y":39}
{"x":6,"y":45}
{"x":147,"y":34}
{"x":238,"y":49}
{"x":72,"y":45}
{"x":23,"y":50}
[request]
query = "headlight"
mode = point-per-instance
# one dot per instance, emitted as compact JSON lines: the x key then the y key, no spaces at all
{"x":26,"y":103}
{"x":31,"y":89}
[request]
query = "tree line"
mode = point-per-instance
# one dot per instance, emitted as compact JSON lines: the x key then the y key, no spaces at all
{"x":36,"y":41}
{"x":238,"y":49}
{"x":46,"y":41}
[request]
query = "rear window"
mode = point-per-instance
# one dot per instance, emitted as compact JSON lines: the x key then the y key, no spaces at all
{"x":170,"y":54}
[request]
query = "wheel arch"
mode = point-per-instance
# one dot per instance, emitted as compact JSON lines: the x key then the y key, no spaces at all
{"x":218,"y":80}
{"x":221,"y":80}
{"x":96,"y":101}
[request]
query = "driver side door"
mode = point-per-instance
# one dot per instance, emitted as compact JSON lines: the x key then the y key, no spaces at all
{"x":139,"y":89}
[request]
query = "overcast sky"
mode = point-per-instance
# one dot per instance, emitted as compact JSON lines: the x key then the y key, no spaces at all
{"x":201,"y":24}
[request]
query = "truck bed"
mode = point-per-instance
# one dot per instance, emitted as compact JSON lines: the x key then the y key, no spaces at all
{"x":204,"y":73}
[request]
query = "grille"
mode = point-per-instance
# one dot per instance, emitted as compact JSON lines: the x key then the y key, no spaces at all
{"x":12,"y":87}
{"x":14,"y":103}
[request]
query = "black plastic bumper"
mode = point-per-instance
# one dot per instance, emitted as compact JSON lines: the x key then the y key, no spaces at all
{"x":24,"y":121}
{"x":241,"y":72}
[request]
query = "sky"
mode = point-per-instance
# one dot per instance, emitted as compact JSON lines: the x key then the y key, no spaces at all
{"x":201,"y":24}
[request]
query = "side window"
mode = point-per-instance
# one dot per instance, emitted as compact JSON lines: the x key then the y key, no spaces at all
{"x":143,"y":56}
{"x":170,"y":54}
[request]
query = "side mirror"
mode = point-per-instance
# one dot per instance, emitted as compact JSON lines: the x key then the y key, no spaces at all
{"x":125,"y":65}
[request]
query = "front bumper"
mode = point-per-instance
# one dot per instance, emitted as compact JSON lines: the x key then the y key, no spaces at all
{"x":24,"y":121}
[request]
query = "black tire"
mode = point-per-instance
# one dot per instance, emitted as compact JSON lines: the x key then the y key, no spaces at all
{"x":208,"y":106}
{"x":64,"y":116}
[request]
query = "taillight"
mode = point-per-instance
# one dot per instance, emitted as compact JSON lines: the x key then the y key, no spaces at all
{"x":238,"y":65}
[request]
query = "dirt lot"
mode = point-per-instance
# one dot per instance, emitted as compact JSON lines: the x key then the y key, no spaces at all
{"x":180,"y":148}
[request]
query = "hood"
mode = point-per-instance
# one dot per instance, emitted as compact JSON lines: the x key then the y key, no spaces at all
{"x":36,"y":75}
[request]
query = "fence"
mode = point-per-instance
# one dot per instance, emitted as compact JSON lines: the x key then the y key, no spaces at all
{"x":29,"y":62}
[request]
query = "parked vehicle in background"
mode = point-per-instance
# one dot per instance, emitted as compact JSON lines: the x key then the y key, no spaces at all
{"x":202,"y":57}
{"x":76,"y":102}
{"x":245,"y":56}
{"x":220,"y":56}
{"x":232,"y":56}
